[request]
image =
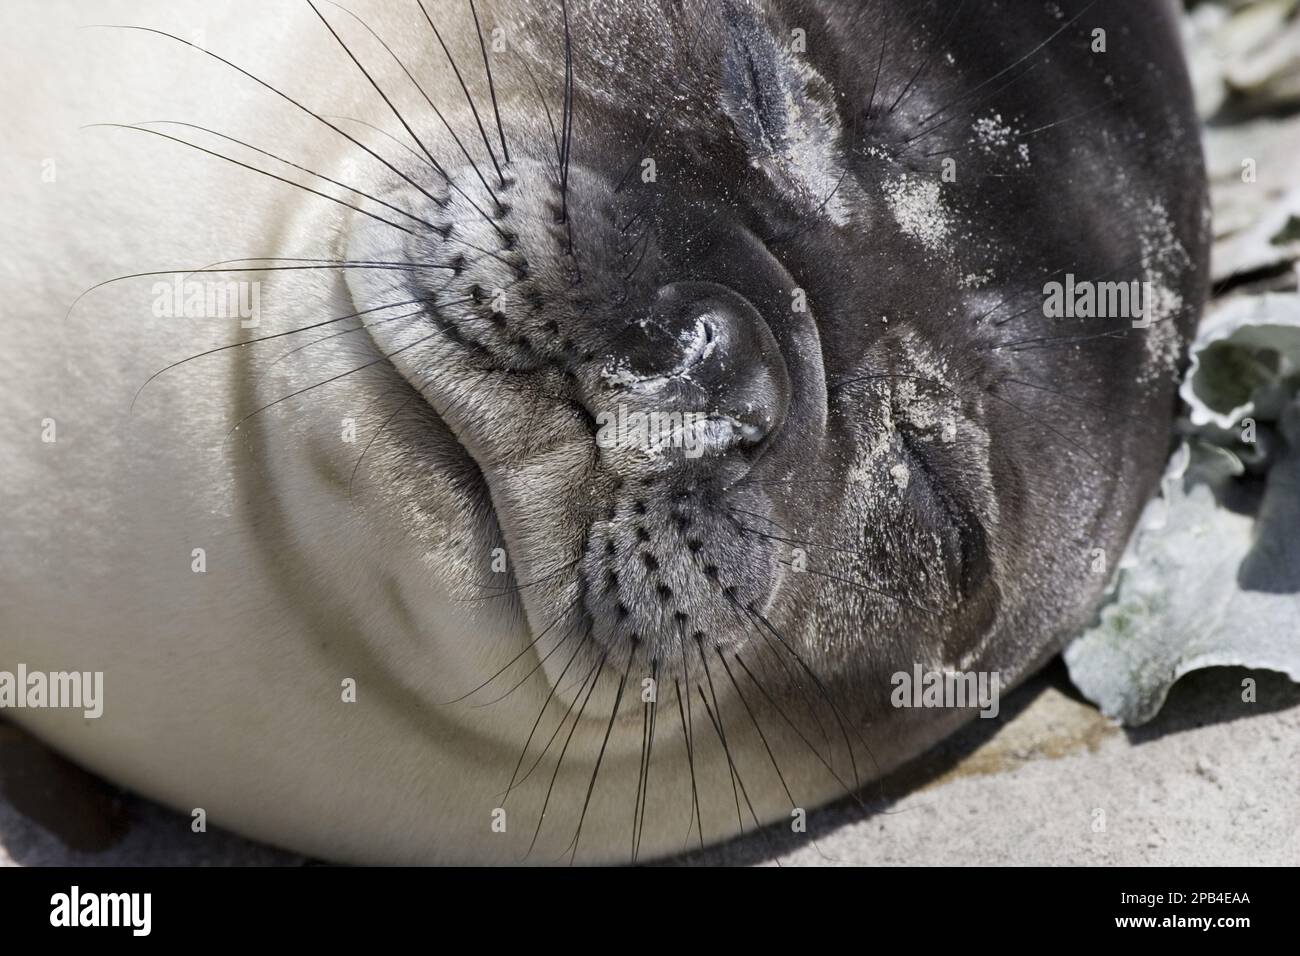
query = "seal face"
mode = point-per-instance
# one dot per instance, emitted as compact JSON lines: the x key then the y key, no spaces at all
{"x":717,"y":383}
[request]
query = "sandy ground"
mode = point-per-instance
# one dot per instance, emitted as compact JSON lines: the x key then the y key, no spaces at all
{"x":1212,"y":780}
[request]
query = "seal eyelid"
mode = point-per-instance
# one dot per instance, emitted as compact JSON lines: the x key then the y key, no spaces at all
{"x":754,"y":82}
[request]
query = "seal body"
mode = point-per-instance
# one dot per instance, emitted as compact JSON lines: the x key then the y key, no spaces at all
{"x":615,"y":398}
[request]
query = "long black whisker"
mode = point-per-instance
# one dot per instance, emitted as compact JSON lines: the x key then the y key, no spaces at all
{"x":509,"y":589}
{"x":599,"y":668}
{"x":640,"y":775}
{"x":567,"y":116}
{"x":753,"y":719}
{"x":716,"y":720}
{"x":555,"y":686}
{"x":793,"y":677}
{"x":363,"y":327}
{"x":929,"y":58}
{"x":335,"y":378}
{"x":546,"y":108}
{"x":649,"y":758}
{"x":510,"y":663}
{"x":375,"y":437}
{"x":492,"y":88}
{"x":465,"y":89}
{"x":558,"y":727}
{"x":817,"y":682}
{"x":690,"y":760}
{"x":722,"y":737}
{"x":416,"y":83}
{"x":542,"y":660}
{"x":341,"y":265}
{"x":1007,"y":69}
{"x":362,"y":146}
{"x":848,"y":791}
{"x":263,"y":172}
{"x":595,"y":772}
{"x":264,"y":338}
{"x":387,"y":135}
{"x":292,"y":164}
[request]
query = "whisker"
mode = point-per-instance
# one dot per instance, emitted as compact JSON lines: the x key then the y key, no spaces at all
{"x":507,"y":590}
{"x":334,"y":378}
{"x":817,"y":682}
{"x":641,"y":774}
{"x":690,"y":760}
{"x":884,"y":45}
{"x":334,"y":335}
{"x":437,"y":112}
{"x":599,"y":668}
{"x":510,"y":663}
{"x":375,"y":437}
{"x":290,"y":163}
{"x":753,"y":719}
{"x":591,"y":785}
{"x":716,"y":720}
{"x":492,"y":89}
{"x":793,"y":677}
{"x":428,"y":195}
{"x":649,"y":757}
{"x":546,"y":108}
{"x":722,"y":737}
{"x":975,"y":89}
{"x":555,"y":686}
{"x":929,"y":57}
{"x":262,"y":172}
{"x":558,"y":727}
{"x":342,"y":265}
{"x":542,"y":661}
{"x":264,"y":338}
{"x":1059,"y":434}
{"x":465,"y":89}
{"x":567,"y":116}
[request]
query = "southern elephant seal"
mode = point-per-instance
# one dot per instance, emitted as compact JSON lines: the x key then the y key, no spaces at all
{"x":539,"y":430}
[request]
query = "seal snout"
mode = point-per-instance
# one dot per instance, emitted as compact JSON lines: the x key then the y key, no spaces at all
{"x":693,"y":400}
{"x":702,"y":373}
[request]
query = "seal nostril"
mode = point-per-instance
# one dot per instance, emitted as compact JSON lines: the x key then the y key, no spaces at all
{"x":707,"y":350}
